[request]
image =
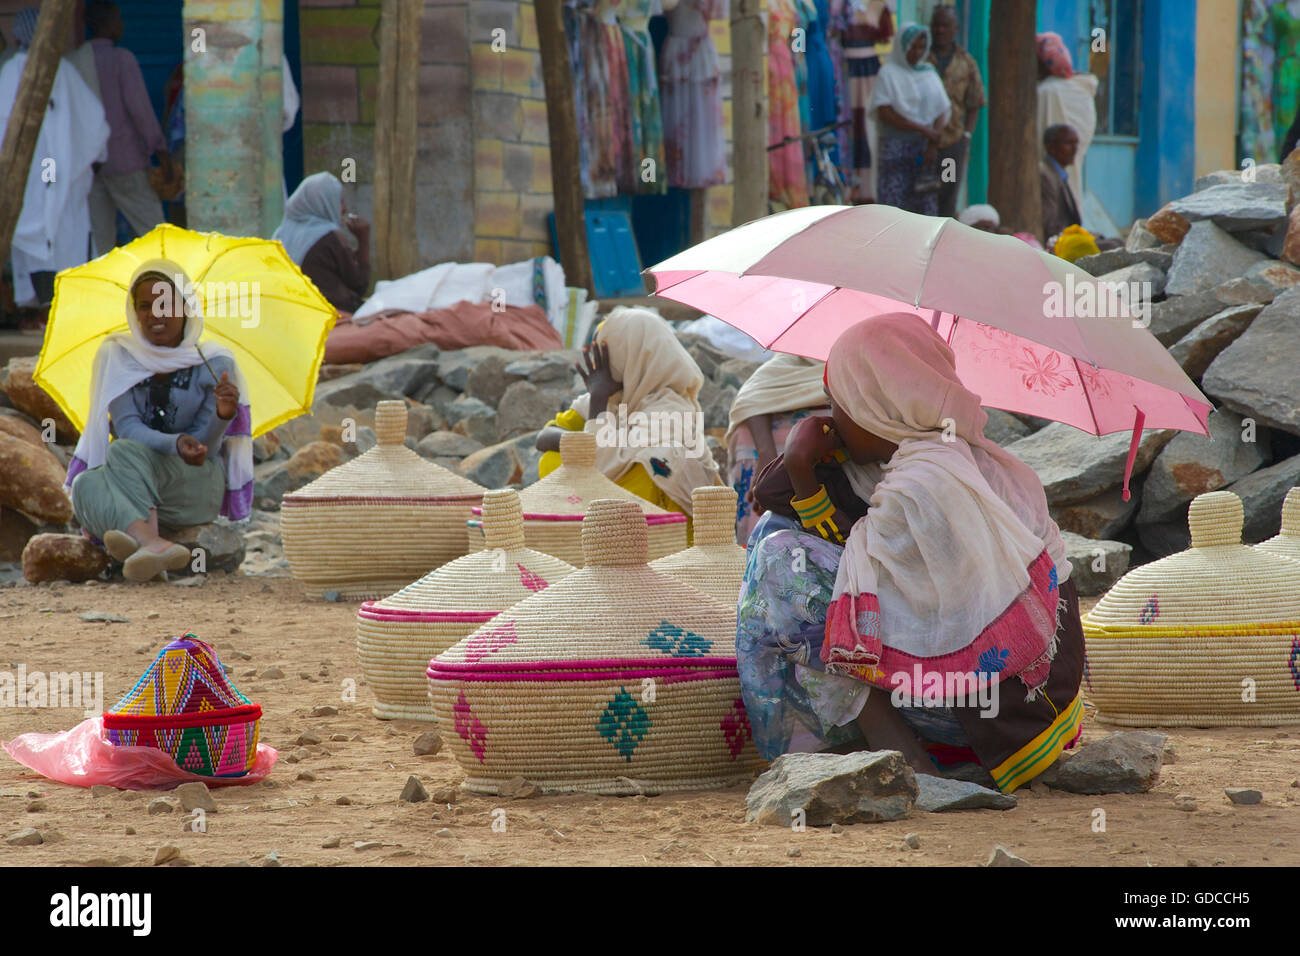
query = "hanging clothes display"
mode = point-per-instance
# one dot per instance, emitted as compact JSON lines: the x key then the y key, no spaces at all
{"x":843,"y":108}
{"x":618,"y":93}
{"x":822,"y":105}
{"x":691,"y":96}
{"x":573,"y":37}
{"x":866,"y":23}
{"x":1283,"y":32}
{"x":643,"y":102}
{"x":787,"y":174}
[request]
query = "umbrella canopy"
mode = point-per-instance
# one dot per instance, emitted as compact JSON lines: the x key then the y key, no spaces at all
{"x":1032,"y":333}
{"x":255,"y":301}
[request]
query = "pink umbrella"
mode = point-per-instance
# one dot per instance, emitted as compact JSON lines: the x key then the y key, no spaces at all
{"x":1076,"y":353}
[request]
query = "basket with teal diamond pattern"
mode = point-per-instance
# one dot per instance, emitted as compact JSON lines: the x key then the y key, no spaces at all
{"x":618,"y":680}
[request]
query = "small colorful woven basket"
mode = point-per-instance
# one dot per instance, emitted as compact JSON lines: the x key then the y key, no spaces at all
{"x":617,"y":680}
{"x":373,"y":524}
{"x":397,"y":636}
{"x":1208,"y":637}
{"x":184,"y":706}
{"x":714,"y":564}
{"x":554,"y":506}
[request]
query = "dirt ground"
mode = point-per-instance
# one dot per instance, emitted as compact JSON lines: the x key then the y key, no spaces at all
{"x":350,"y":793}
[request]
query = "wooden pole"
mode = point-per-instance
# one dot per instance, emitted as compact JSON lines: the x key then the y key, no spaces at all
{"x":28,"y":114}
{"x":562,"y":123}
{"x":749,"y":111}
{"x":1013,"y":117}
{"x":396,"y":249}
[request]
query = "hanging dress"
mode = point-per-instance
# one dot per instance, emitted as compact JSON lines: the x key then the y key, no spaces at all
{"x":866,"y":24}
{"x":821,"y":70}
{"x":787,"y":177}
{"x":647,"y":136}
{"x":626,"y":164}
{"x":690,"y":84}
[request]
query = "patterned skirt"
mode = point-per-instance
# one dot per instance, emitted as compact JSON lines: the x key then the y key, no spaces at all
{"x":899,"y":168}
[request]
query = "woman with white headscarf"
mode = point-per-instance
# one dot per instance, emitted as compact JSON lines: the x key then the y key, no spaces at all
{"x":942,"y":623}
{"x":911,"y":108}
{"x":311,"y":233}
{"x":167,"y":443}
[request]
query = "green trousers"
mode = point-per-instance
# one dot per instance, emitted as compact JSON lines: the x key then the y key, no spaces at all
{"x":134,"y":478}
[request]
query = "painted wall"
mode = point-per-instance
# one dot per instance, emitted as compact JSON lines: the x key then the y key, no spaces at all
{"x":1217,"y":65}
{"x":1167,"y":145}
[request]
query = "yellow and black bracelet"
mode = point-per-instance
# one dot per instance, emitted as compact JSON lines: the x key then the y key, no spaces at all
{"x":816,"y":513}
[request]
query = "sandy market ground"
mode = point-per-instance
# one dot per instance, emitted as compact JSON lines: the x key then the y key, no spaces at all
{"x":367,"y":761}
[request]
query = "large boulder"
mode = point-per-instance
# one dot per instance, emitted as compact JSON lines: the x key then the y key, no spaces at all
{"x":1179,"y":314}
{"x":474,"y":419}
{"x":398,"y":376}
{"x":1146,"y":278}
{"x":445,"y":444}
{"x":526,"y":407}
{"x":1167,"y":226}
{"x":221,"y":544}
{"x":495,"y":466}
{"x":821,"y":789}
{"x":1291,"y":239}
{"x":1237,"y":206}
{"x":454,"y":367}
{"x":1256,"y":374}
{"x":1102,"y":516}
{"x":18,"y":428}
{"x":62,"y":557}
{"x":1201,"y":346}
{"x":1207,"y":257}
{"x":31,"y":481}
{"x":1003,"y":428}
{"x":271,"y":482}
{"x":1118,"y":258}
{"x":556,"y":369}
{"x":1139,"y":237}
{"x":1126,"y":762}
{"x":1262,"y":493}
{"x":1095,"y":565}
{"x":26,"y":396}
{"x":487,"y":380}
{"x":1075,"y":466}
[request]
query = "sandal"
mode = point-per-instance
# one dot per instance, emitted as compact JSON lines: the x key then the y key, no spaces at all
{"x":145,"y":565}
{"x":120,"y":545}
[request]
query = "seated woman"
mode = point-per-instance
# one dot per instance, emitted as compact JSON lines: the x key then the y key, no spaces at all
{"x":956,"y":572}
{"x":783,"y":391}
{"x":636,"y":363}
{"x":181,"y":450}
{"x":313,"y":216}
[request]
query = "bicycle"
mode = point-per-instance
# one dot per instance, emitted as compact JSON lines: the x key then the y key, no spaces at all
{"x":828,"y":186}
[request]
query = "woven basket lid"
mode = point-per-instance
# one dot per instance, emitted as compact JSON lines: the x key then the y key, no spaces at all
{"x":390,"y":469}
{"x":186,"y":679}
{"x":1218,"y":581}
{"x":1287,"y":542}
{"x":490,"y":580}
{"x":615,"y":610}
{"x":571,"y":488}
{"x":715,"y":563}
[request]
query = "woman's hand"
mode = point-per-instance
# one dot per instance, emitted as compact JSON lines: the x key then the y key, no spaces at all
{"x":227,"y":393}
{"x":357,"y":226}
{"x":598,"y":377}
{"x":191,"y":450}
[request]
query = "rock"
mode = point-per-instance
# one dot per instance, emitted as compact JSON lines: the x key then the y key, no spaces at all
{"x":1185,"y":802}
{"x":330,"y":843}
{"x":517,"y":788}
{"x":446,"y":444}
{"x":1243,"y":797}
{"x":1167,"y":226}
{"x":443,"y":833}
{"x":27,"y":396}
{"x":222,"y":545}
{"x":426,"y":744}
{"x":913,"y":841}
{"x":1075,"y":466}
{"x":265,"y":447}
{"x":25,"y":837}
{"x":1235,"y":207}
{"x":1100,"y":517}
{"x":1191,"y":465}
{"x":1208,"y":257}
{"x":474,"y":419}
{"x":343,"y":801}
{"x":716,"y":404}
{"x":863,"y":787}
{"x":546,"y":368}
{"x":62,"y":557}
{"x":307,"y":740}
{"x":1217,"y":178}
{"x":1003,"y":428}
{"x":939,"y":795}
{"x":1280,"y":276}
{"x":1262,"y":493}
{"x":15,"y":531}
{"x":706,"y":355}
{"x":311,"y":461}
{"x":325,"y":710}
{"x":1139,"y":237}
{"x":1270,"y":241}
{"x":272,"y":673}
{"x":1196,"y":350}
{"x":734,"y":372}
{"x":271,"y":482}
{"x":1148,"y":280}
{"x":1112,"y":259}
{"x":196,"y":796}
{"x":394,"y":377}
{"x":366,"y":438}
{"x":23,"y":430}
{"x":525,"y":407}
{"x":1255,"y":375}
{"x":271,"y":859}
{"x":414,"y":791}
{"x":444,"y":795}
{"x":420,"y":421}
{"x":1096,"y":565}
{"x":168,"y":851}
{"x":1001,"y":856}
{"x":493,"y":467}
{"x":454,"y":367}
{"x":529,"y":456}
{"x":487,"y":380}
{"x":306,"y":776}
{"x":1291,"y":239}
{"x":1125,"y":762}
{"x":159,"y":805}
{"x":101,"y":790}
{"x":794,"y":851}
{"x":1179,"y":314}
{"x":31,"y":481}
{"x":102,"y":617}
{"x":361,"y":845}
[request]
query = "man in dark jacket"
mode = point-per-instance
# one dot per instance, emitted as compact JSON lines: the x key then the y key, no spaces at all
{"x":1059,"y":208}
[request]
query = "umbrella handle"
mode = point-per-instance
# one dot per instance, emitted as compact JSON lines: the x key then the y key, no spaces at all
{"x":1138,"y":421}
{"x":209,"y":367}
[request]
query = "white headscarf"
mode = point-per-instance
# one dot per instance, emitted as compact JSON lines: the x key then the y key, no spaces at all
{"x":313,"y":211}
{"x":914,"y":92}
{"x":957,"y":562}
{"x":980,"y":212}
{"x":125,"y":360}
{"x":784,"y":383}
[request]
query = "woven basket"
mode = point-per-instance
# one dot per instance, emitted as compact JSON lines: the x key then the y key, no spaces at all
{"x":715,"y":564}
{"x":1181,"y":641}
{"x":1287,"y":542}
{"x":373,"y":524}
{"x":397,"y":636}
{"x":554,"y":506}
{"x":616,"y":680}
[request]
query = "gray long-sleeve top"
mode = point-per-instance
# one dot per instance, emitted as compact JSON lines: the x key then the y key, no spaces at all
{"x":190,"y":409}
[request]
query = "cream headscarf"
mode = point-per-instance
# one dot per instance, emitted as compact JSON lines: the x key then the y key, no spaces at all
{"x":957,"y":563}
{"x":659,"y":377}
{"x":784,"y":383}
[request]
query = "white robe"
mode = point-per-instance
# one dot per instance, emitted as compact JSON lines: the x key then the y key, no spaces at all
{"x":1072,"y":101}
{"x":53,"y":230}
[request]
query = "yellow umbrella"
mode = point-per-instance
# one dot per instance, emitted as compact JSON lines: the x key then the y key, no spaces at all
{"x":254,"y":299}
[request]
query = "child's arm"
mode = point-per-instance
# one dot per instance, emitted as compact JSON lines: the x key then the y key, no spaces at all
{"x":811,"y":441}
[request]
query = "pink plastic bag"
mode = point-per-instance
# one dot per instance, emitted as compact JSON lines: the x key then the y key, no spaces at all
{"x":84,"y":757}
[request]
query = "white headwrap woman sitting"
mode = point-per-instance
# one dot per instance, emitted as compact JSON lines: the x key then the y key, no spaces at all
{"x":181,"y":451}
